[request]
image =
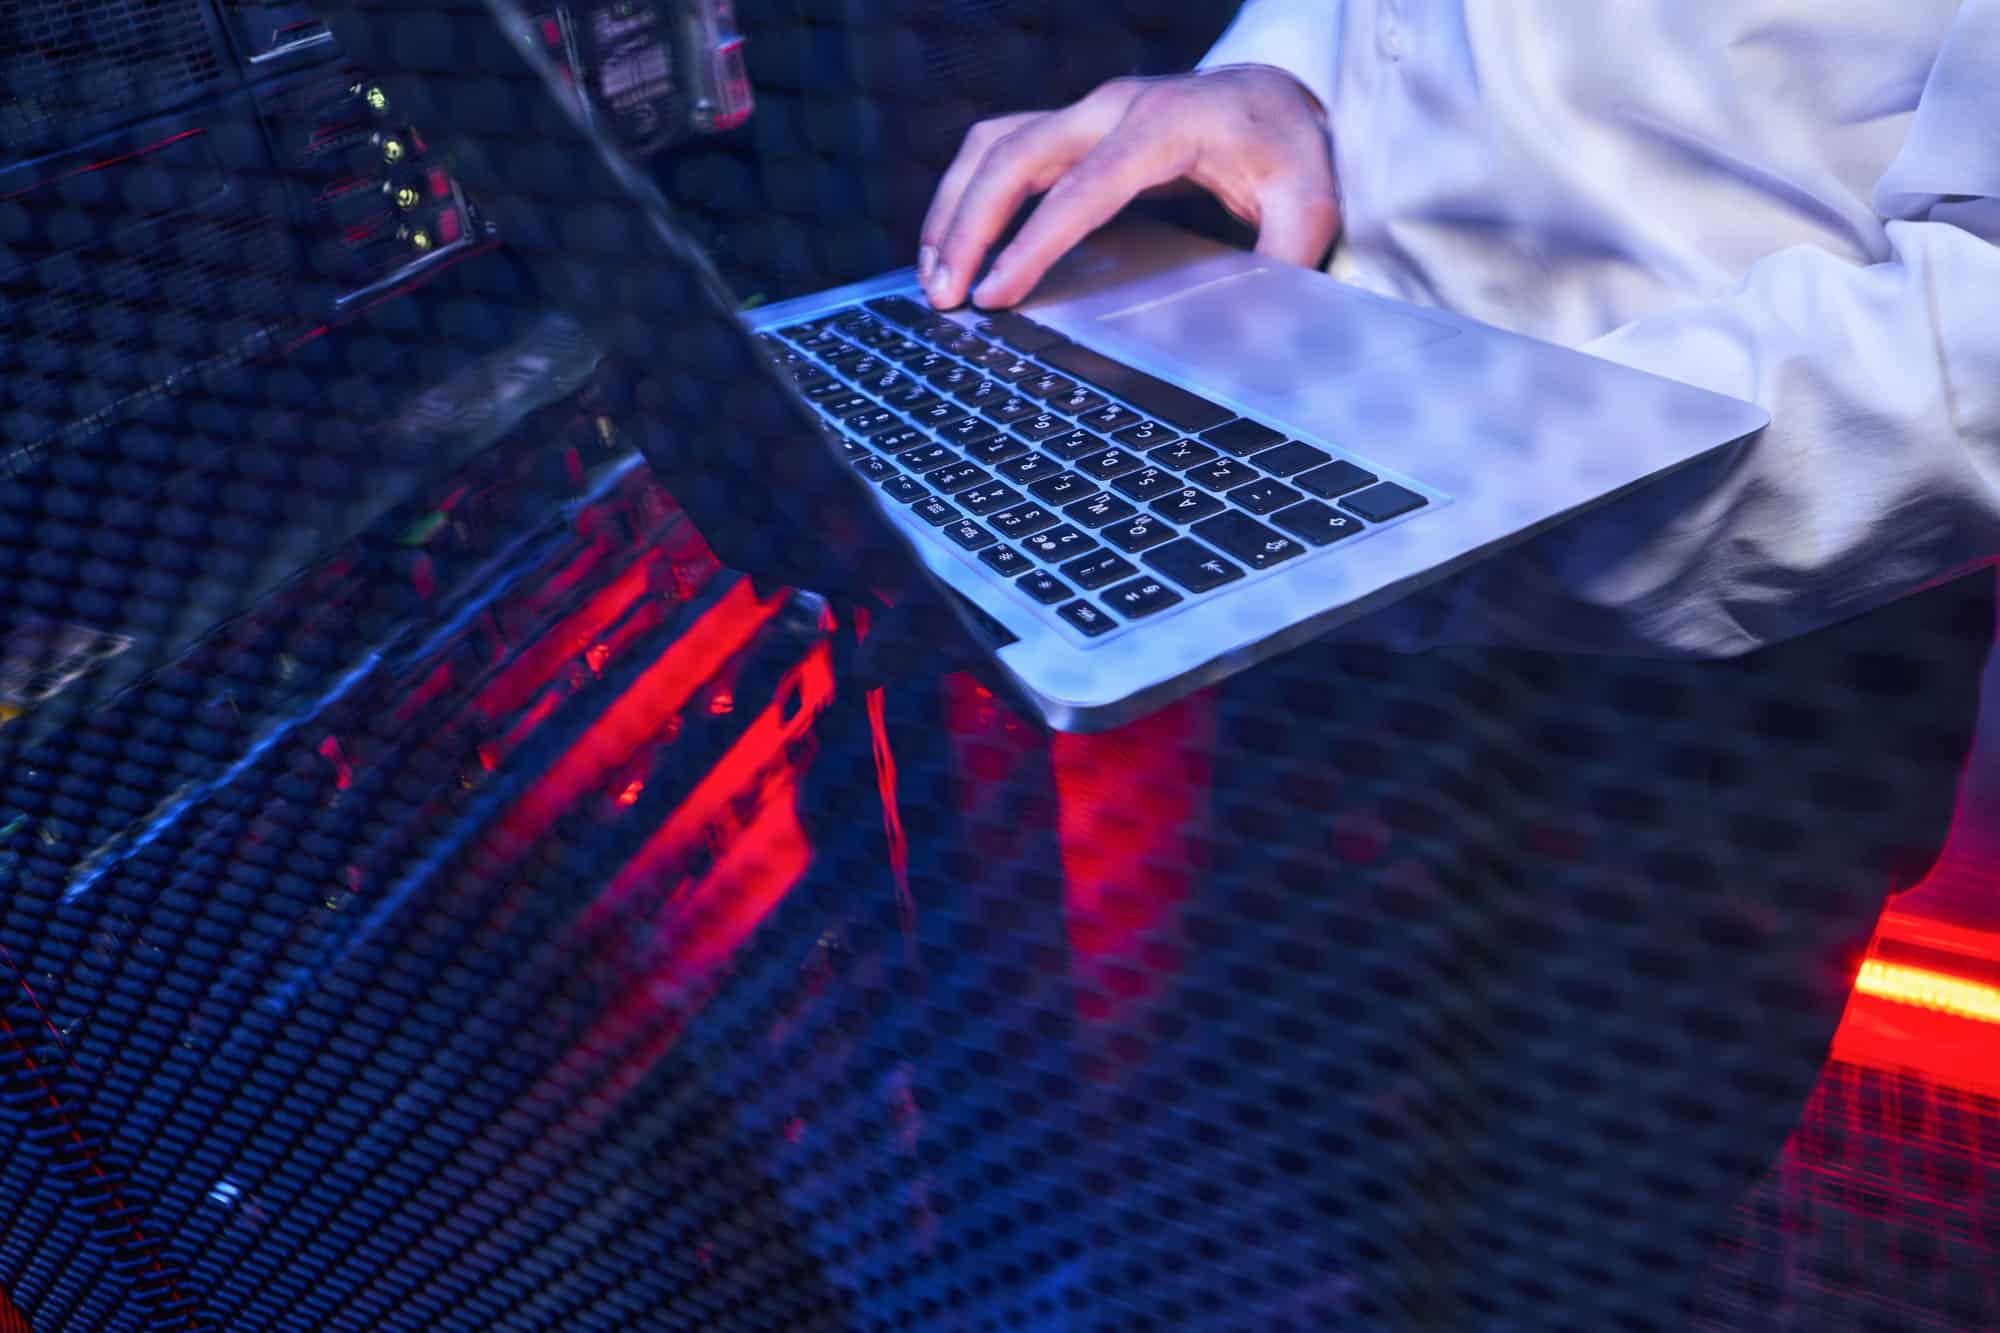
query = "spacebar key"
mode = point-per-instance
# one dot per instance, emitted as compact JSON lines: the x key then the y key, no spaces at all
{"x":1155,"y":397}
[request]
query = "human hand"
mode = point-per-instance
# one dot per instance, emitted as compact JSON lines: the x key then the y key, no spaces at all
{"x":1250,"y":135}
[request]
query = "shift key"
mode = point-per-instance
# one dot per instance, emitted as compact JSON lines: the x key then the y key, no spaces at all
{"x":1248,"y":540}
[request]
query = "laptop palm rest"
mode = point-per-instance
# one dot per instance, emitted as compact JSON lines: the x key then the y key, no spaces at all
{"x":1275,"y":328}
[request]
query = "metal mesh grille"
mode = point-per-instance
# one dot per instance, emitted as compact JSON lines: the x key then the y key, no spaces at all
{"x":66,"y":58}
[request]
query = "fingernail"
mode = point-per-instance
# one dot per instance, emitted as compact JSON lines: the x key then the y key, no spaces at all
{"x":984,"y":294}
{"x":939,"y":286}
{"x":926,"y":261}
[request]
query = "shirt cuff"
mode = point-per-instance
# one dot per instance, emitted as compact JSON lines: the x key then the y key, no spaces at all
{"x":1301,"y":39}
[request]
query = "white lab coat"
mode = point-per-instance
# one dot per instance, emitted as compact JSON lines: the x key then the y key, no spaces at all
{"x":1793,"y":201}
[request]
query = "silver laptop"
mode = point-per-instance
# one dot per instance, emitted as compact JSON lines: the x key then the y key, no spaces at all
{"x":1178,"y":459}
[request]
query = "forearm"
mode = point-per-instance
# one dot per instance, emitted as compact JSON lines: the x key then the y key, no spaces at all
{"x":1877,"y":477}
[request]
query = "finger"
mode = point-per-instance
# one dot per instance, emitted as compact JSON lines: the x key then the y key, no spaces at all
{"x":1022,"y":164}
{"x":1297,"y":219}
{"x":972,"y":150}
{"x":1138,"y":156}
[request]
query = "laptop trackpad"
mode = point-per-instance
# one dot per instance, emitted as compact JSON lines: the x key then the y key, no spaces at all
{"x":1276,"y":329}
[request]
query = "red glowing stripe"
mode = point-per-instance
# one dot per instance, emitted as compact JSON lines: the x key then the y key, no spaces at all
{"x":712,"y":923}
{"x":101,"y":165}
{"x":11,"y":1320}
{"x":536,"y":666}
{"x":661,"y":691}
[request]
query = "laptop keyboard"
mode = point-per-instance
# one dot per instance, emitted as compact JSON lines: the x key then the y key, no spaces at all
{"x":1102,"y":494}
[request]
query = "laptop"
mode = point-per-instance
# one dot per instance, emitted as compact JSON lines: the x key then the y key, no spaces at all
{"x":1174,"y":460}
{"x":1177,"y":458}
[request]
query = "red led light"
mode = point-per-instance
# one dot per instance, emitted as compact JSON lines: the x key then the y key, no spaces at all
{"x":630,"y":796}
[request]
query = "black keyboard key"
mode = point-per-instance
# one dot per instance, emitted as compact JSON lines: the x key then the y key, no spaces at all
{"x":955,"y":477}
{"x":1023,"y":520}
{"x":1094,"y":571}
{"x":968,"y":534}
{"x":1048,"y":384}
{"x":1006,"y":560}
{"x":1021,"y":333}
{"x":1379,"y":504}
{"x":808,"y":378}
{"x":909,"y":396}
{"x":911,"y":356}
{"x":875,"y":469}
{"x":853,"y":405}
{"x":1044,"y":587}
{"x":1110,"y":463}
{"x":873,"y":335}
{"x":989,"y":357}
{"x":1148,"y":483}
{"x":871,"y":422}
{"x":1192,"y":565}
{"x":1182,"y":454}
{"x":1221,"y":475}
{"x":1262,"y":497}
{"x":1155,"y":397}
{"x":1074,"y":445}
{"x":867,"y":368}
{"x":850,"y":448}
{"x":934,"y":511}
{"x":900,"y":310}
{"x":969,"y":345}
{"x":1043,"y":427}
{"x":883,"y":383}
{"x":985,"y":394}
{"x":964,"y":434}
{"x":1187,"y":505}
{"x":906,"y":489}
{"x":897,"y":440}
{"x":843,"y":356}
{"x":1335,"y":479}
{"x":1289,"y":457}
{"x":1063,"y":488}
{"x":1143,"y":596}
{"x":930,"y":456}
{"x":1087,"y":619}
{"x":1056,"y":544}
{"x":996,"y":451}
{"x":1100,"y":509}
{"x":953,"y":378}
{"x":1011,"y":409}
{"x":983,"y":500}
{"x":1030,"y":468}
{"x":1244,"y":537}
{"x":1318,"y":523}
{"x":1111,"y":417}
{"x":1013,"y":370}
{"x":1138,"y":532}
{"x":1242,"y":437}
{"x":929,"y":364}
{"x":1145,"y":435}
{"x":1077,"y":401}
{"x":939,"y":415}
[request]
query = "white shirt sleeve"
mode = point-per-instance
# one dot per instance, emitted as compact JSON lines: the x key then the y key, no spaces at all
{"x":1301,"y":37}
{"x":1880,"y":473}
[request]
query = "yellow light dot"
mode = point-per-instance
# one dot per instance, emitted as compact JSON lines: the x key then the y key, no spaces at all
{"x":407,"y":197}
{"x":392,"y":149}
{"x":377,"y":100}
{"x":420,"y":239}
